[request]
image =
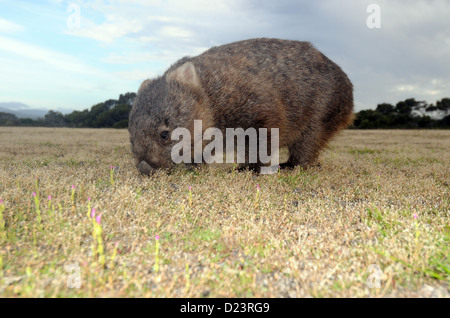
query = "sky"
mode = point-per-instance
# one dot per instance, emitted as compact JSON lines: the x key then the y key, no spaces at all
{"x":57,"y":54}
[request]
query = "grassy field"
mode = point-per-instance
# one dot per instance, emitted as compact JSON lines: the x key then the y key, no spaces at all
{"x":372,"y":221}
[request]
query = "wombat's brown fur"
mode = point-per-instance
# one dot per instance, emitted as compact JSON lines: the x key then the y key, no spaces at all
{"x":259,"y":83}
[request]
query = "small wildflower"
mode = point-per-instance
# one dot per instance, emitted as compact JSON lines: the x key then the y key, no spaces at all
{"x":97,"y":245}
{"x":34,"y":194}
{"x":98,"y":219}
{"x":157,"y":237}
{"x":49,"y":197}
{"x":73,"y":187}
{"x":415,"y":215}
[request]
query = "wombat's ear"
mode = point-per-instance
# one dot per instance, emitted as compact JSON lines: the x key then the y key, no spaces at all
{"x":144,"y":84}
{"x":185,"y":74}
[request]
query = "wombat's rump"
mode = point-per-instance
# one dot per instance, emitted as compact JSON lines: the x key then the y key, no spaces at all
{"x":259,"y":83}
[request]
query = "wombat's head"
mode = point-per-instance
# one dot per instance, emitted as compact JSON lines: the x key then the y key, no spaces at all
{"x":162,"y":105}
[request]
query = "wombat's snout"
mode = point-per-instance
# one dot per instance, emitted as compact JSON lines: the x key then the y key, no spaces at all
{"x":145,"y":168}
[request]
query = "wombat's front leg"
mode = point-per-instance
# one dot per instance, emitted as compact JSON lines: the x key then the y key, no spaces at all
{"x":305,"y":151}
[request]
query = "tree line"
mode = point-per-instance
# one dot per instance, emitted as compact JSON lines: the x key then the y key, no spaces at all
{"x":109,"y":114}
{"x":405,"y":114}
{"x":114,"y":114}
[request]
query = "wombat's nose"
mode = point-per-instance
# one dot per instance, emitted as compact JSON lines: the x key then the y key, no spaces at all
{"x":145,"y":168}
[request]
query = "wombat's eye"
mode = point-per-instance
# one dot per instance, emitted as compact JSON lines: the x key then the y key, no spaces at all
{"x":164,"y":135}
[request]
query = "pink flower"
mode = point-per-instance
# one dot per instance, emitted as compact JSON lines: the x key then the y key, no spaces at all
{"x":34,"y":194}
{"x":93,"y":213}
{"x":189,"y":188}
{"x":1,"y":201}
{"x":257,"y":187}
{"x":73,"y":187}
{"x":98,"y":219}
{"x":415,"y":216}
{"x":89,"y":198}
{"x":157,"y":237}
{"x":49,"y":197}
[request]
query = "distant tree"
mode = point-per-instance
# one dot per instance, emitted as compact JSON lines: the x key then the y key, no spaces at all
{"x":385,"y":108}
{"x":54,"y":119}
{"x":445,"y":122}
{"x":408,"y":105}
{"x":431,"y":108}
{"x":120,"y":114}
{"x":78,"y":118}
{"x":121,"y":124}
{"x":27,"y":122}
{"x":370,"y":119}
{"x":117,"y":114}
{"x":126,"y":98}
{"x":7,"y":119}
{"x":425,"y":122}
{"x":110,"y":103}
{"x":443,"y":104}
{"x":95,"y":112}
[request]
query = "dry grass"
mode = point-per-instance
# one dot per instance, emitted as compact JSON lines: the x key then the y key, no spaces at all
{"x":307,"y":233}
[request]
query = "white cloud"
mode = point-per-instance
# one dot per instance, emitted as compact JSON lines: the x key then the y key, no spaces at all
{"x":422,"y":88}
{"x":114,"y":28}
{"x":42,"y":55}
{"x":10,"y":27}
{"x":405,"y":88}
{"x":175,"y":32}
{"x":136,"y":75}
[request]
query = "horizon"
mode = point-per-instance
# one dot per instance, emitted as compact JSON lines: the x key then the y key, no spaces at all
{"x":72,"y":55}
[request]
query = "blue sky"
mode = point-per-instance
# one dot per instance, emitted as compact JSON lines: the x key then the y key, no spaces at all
{"x":48,"y":61}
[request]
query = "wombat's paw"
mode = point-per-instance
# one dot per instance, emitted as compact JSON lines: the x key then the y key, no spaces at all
{"x":287,"y":166}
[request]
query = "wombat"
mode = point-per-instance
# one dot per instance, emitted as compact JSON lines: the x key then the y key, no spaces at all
{"x":259,"y":83}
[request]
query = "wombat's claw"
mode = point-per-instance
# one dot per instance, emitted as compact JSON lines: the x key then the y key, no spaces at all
{"x":287,"y":166}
